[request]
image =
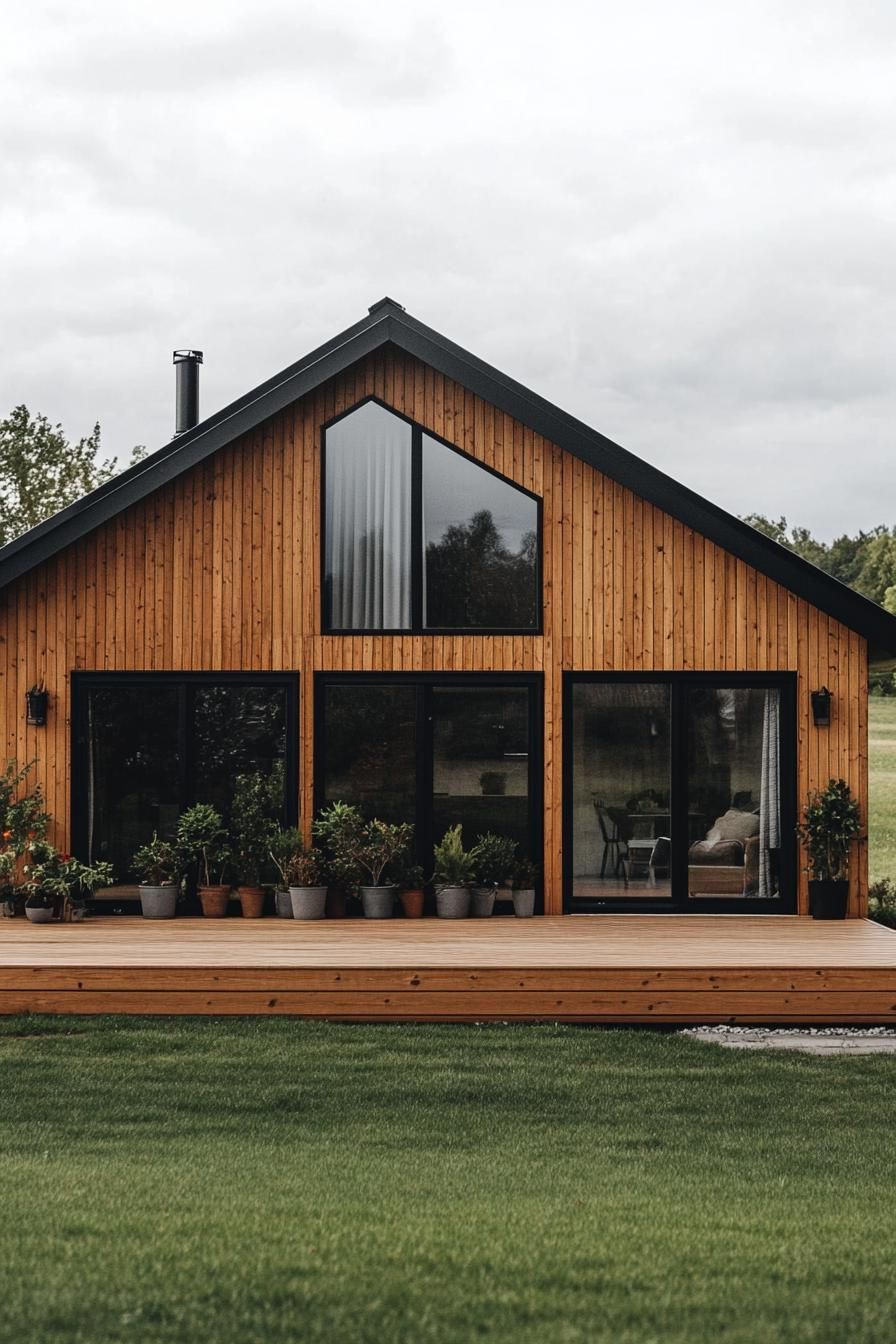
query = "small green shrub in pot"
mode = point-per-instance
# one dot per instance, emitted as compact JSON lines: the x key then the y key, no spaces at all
{"x":523,"y":880}
{"x":830,"y":825}
{"x":158,"y":869}
{"x":254,"y":822}
{"x":493,"y":857}
{"x":307,"y":874}
{"x":410,"y":880}
{"x":453,"y":875}
{"x":23,"y":820}
{"x":202,"y":842}
{"x":363,"y":854}
{"x":56,"y":881}
{"x":284,"y":843}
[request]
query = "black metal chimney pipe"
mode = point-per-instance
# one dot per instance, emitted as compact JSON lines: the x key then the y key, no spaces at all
{"x":187,"y":363}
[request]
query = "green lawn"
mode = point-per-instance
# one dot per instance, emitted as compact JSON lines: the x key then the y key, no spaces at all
{"x":253,"y":1180}
{"x":882,"y":772}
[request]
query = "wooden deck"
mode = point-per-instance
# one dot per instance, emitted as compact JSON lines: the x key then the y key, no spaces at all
{"x":604,"y":968}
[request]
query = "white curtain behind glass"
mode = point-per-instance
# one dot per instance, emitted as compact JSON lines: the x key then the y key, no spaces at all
{"x":770,"y":793}
{"x":368,"y":525}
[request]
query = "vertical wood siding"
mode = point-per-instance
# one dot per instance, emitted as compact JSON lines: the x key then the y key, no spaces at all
{"x":220,"y":570}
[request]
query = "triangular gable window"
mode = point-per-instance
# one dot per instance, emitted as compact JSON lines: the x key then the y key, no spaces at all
{"x":420,"y":537}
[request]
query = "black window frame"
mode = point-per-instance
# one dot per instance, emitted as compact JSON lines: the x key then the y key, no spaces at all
{"x":417,"y":626}
{"x":187,"y":682}
{"x":426,"y":682}
{"x":679,"y":902}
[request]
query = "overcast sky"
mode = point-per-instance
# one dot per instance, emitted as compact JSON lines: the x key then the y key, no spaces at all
{"x":676,"y":221}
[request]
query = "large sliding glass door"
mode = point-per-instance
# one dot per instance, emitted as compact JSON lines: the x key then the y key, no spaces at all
{"x":434,"y":749}
{"x":680,"y":792}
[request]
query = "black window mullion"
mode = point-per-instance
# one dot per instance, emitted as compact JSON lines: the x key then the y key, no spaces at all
{"x":678,"y":800}
{"x":186,"y":720}
{"x":417,"y":559}
{"x":425,"y":753}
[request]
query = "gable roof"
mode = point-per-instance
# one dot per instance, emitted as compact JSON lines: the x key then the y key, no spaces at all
{"x":387,"y":323}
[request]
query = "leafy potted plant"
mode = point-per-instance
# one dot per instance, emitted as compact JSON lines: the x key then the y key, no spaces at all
{"x":157,"y":866}
{"x":306,"y":876}
{"x":335,"y":827}
{"x":257,"y":803}
{"x":410,"y":881}
{"x":829,"y":826}
{"x":493,"y":782}
{"x":23,"y":820}
{"x":523,"y":880}
{"x":493,"y":857}
{"x":452,"y":875}
{"x":365,"y":849}
{"x":284,"y":843}
{"x":202,"y":841}
{"x":59,"y":883}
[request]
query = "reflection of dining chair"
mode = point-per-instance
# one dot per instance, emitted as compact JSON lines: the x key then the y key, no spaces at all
{"x":661,"y":857}
{"x":615,"y":848}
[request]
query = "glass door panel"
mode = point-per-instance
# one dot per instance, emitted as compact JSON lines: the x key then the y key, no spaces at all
{"x":621,"y":792}
{"x":480,"y":744}
{"x":369,"y":747}
{"x":734,"y":793}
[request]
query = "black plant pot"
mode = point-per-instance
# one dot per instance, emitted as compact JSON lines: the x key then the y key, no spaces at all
{"x":828,"y":900}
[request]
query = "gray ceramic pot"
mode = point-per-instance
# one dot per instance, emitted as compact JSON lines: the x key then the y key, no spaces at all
{"x":524,"y":902}
{"x":453,"y":902}
{"x":378,"y":902}
{"x":158,"y":902}
{"x":308,"y":902}
{"x":283,"y":904}
{"x":483,"y":903}
{"x":39,"y":914}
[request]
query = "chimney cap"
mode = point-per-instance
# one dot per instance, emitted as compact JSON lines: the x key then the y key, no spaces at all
{"x":180,"y":356}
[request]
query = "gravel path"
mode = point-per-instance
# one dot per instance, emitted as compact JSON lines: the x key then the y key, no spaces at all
{"x":812,"y":1040}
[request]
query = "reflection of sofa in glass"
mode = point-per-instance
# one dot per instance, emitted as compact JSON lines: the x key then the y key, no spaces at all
{"x":726,"y":861}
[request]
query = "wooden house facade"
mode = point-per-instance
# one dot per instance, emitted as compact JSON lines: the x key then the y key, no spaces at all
{"x":401,"y":578}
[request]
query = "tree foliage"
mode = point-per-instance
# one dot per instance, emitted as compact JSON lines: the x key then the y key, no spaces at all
{"x":41,"y":471}
{"x":865,"y":562}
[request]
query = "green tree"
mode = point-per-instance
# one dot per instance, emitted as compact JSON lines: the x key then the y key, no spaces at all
{"x":41,"y":471}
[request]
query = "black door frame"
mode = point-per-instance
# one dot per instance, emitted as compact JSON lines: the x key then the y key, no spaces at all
{"x":83,"y":681}
{"x":533,"y":682}
{"x":680,"y":902}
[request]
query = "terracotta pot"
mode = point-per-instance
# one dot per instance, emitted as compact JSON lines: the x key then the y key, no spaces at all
{"x":335,"y":903}
{"x":252,"y":901}
{"x":214,"y":901}
{"x":412,"y":903}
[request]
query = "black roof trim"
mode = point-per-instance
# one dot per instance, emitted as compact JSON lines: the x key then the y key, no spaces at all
{"x":388,"y":323}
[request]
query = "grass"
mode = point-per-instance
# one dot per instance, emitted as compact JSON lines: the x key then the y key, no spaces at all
{"x":275,"y":1180}
{"x":882,"y":787}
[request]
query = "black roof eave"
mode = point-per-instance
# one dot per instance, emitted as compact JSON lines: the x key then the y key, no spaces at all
{"x":388,"y":323}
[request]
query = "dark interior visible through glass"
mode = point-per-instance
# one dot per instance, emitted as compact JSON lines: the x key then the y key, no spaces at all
{"x":149,"y":748}
{"x":432,"y":753}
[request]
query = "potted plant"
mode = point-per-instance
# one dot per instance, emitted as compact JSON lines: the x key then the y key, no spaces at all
{"x":364,"y":849}
{"x":59,"y":883}
{"x":522,"y":881}
{"x":23,"y":820}
{"x":257,"y":803}
{"x":452,"y":875}
{"x":493,"y":782}
{"x":829,"y":826}
{"x":202,"y":842}
{"x":493,"y":857}
{"x":410,"y":881}
{"x":306,"y":876}
{"x":284,"y":843}
{"x":157,"y":866}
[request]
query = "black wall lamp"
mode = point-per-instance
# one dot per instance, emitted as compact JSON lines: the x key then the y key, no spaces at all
{"x":821,"y":707}
{"x":36,"y":702}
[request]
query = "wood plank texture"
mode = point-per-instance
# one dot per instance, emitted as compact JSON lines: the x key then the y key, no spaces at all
{"x":602,"y":969}
{"x":220,"y":570}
